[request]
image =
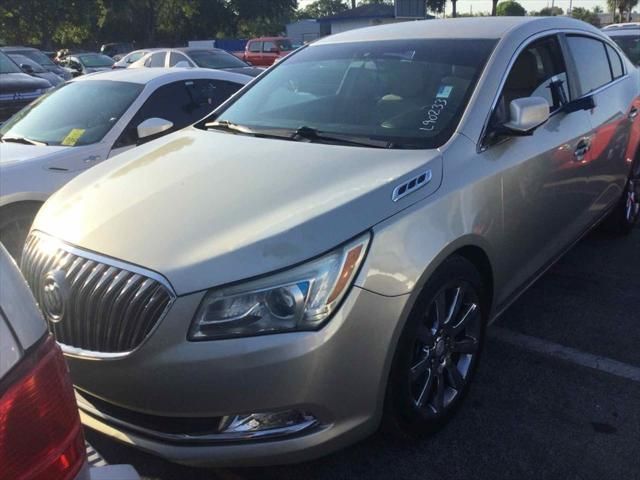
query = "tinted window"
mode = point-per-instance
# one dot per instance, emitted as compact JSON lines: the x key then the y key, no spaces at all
{"x":83,"y":112}
{"x":630,"y":44}
{"x":268,"y":46}
{"x":21,"y":60}
{"x":216,"y":59}
{"x":182,"y":103}
{"x":410,"y":93}
{"x":7,"y":65}
{"x":134,"y":57}
{"x":255,"y":47}
{"x":37,"y":56}
{"x":535,"y":70}
{"x":616,"y":62}
{"x":591,"y":59}
{"x":155,"y":60}
{"x":175,"y":58}
{"x":95,"y":60}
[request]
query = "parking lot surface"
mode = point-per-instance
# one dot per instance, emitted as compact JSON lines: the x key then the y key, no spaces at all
{"x":557,"y":395}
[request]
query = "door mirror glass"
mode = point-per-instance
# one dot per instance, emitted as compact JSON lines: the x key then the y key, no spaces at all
{"x":26,"y":68}
{"x":527,"y":114}
{"x":153,"y":126}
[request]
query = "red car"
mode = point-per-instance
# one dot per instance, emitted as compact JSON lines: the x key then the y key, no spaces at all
{"x":265,"y":51}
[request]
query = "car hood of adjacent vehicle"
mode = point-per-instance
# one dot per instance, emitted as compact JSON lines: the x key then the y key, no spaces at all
{"x":13,"y":153}
{"x":21,"y":82}
{"x":209,"y":208}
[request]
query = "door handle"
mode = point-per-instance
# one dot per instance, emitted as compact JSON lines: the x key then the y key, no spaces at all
{"x":584,"y":145}
{"x":633,"y":113}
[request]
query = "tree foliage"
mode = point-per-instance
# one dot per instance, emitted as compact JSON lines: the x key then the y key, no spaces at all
{"x":510,"y":8}
{"x":624,"y":8}
{"x":549,"y":12}
{"x":589,"y":16}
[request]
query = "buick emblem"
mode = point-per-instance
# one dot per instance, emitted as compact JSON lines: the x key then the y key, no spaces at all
{"x":55,"y":291}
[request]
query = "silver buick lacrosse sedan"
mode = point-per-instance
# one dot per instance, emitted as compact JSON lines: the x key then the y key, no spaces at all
{"x":321,"y":255}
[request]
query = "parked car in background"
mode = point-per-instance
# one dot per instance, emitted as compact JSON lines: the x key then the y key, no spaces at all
{"x":17,"y":89}
{"x":89,"y":120}
{"x":196,"y":57}
{"x":130,"y":58}
{"x":39,"y":57}
{"x":41,"y":435}
{"x":323,"y":252}
{"x":34,"y":69}
{"x":116,"y":50}
{"x":83,"y":63}
{"x":627,"y":36}
{"x":265,"y":51}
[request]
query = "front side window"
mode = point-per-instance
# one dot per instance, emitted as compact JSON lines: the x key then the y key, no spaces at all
{"x":539,"y":71}
{"x":285,"y":45}
{"x":182,"y":103}
{"x":406,"y":93}
{"x":155,"y":60}
{"x":84,"y":112}
{"x":269,"y":47}
{"x":591,"y":61}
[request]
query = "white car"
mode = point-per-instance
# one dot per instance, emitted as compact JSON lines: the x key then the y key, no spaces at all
{"x":90,"y":119}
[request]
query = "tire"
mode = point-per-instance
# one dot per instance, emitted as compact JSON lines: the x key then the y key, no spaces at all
{"x":438,"y":352}
{"x":626,"y":214}
{"x":15,"y":222}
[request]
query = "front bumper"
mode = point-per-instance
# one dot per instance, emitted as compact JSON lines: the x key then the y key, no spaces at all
{"x":338,"y":374}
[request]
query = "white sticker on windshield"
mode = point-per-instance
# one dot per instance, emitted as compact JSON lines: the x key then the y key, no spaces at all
{"x":444,"y":91}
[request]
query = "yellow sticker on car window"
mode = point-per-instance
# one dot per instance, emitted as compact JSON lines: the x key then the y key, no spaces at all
{"x":72,"y":138}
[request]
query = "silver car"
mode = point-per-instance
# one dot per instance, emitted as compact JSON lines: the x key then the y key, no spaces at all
{"x":323,"y":252}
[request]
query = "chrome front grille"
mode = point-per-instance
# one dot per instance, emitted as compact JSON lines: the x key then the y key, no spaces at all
{"x":93,"y":304}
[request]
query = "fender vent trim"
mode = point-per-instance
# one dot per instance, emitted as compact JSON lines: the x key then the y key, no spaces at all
{"x":411,"y":185}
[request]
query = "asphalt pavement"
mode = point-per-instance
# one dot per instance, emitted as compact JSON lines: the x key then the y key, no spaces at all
{"x":557,"y":395}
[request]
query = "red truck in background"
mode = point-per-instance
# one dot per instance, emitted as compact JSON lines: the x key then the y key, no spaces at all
{"x":265,"y":51}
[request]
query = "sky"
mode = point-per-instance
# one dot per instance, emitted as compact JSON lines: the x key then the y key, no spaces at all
{"x":485,"y":5}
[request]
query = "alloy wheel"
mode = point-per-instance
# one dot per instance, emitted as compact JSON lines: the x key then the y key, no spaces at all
{"x":445,"y":349}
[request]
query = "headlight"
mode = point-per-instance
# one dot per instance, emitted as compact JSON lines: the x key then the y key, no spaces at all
{"x":301,"y":298}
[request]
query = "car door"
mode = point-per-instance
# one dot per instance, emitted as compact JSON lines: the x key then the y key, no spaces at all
{"x":544,"y":174}
{"x":270,"y":53}
{"x":254,"y":53}
{"x":182,"y":103}
{"x":602,"y":76}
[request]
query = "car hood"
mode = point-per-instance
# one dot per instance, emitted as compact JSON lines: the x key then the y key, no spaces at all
{"x":251,"y":71}
{"x":11,"y":153}
{"x":21,"y":82}
{"x":209,"y":208}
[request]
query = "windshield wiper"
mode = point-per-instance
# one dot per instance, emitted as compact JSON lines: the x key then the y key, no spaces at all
{"x":312,"y":134}
{"x":229,"y":126}
{"x":23,"y":140}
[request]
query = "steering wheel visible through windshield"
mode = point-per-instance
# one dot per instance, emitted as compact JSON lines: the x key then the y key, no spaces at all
{"x":76,"y":113}
{"x":408,"y":93}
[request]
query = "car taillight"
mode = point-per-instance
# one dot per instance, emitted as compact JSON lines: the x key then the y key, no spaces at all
{"x":40,"y":433}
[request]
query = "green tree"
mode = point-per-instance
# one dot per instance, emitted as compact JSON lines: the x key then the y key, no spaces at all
{"x":323,"y":8}
{"x":550,"y":12}
{"x":586,"y":15}
{"x":624,"y":8}
{"x":510,"y":8}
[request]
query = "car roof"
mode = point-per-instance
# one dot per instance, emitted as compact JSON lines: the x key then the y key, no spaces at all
{"x":16,"y":49}
{"x":145,"y":76}
{"x":471,"y":28}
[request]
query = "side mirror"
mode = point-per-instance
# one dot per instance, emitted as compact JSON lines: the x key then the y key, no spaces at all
{"x":153,"y":126}
{"x":527,"y":114}
{"x":26,"y":68}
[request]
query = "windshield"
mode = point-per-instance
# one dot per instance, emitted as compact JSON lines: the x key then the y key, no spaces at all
{"x":7,"y":65}
{"x":95,"y":60}
{"x":21,"y":59}
{"x":38,"y":57}
{"x":76,"y":113}
{"x":212,"y":59}
{"x":630,"y":45}
{"x":409,"y":93}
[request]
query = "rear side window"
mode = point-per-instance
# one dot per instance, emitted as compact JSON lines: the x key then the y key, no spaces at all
{"x":616,"y":62}
{"x":255,"y":47}
{"x":591,"y":61}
